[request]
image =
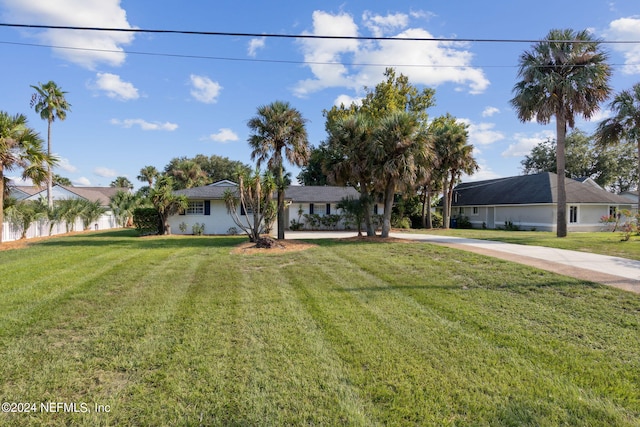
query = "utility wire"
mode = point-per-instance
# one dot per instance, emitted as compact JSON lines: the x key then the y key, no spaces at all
{"x":305,"y":36}
{"x":273,"y":61}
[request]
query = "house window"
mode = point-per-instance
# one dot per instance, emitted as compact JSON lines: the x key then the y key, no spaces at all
{"x":195,"y":208}
{"x":460,"y":211}
{"x":573,"y":214}
{"x":375,"y":208}
{"x":310,"y":208}
{"x":248,"y":210}
{"x":475,"y":210}
{"x":613,"y":211}
{"x":328,"y":211}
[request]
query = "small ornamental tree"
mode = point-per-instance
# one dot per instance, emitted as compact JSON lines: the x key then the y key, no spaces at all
{"x":166,"y":202}
{"x":254,"y":200}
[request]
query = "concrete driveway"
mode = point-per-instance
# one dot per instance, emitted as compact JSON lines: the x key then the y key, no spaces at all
{"x":613,"y":271}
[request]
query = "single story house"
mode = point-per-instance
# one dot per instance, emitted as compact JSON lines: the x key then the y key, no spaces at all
{"x":62,"y":192}
{"x":530,"y":202}
{"x":206,"y":206}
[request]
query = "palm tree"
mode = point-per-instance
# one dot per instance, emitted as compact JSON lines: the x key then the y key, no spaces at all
{"x":20,"y":147}
{"x":188,"y":174}
{"x":399,"y":157}
{"x":121,"y":182}
{"x":122,"y":204}
{"x":563,"y":75}
{"x":166,"y":202}
{"x":148,"y":174}
{"x":278,"y":127}
{"x":50,"y":103}
{"x":24,"y":213}
{"x":350,"y":137}
{"x":625,"y":124}
{"x":455,"y":157}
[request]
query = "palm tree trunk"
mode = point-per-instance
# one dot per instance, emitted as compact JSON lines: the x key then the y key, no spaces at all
{"x":1,"y":201}
{"x":388,"y":206}
{"x":424,"y":207}
{"x":638,"y":207}
{"x":365,"y":199}
{"x":445,"y":203}
{"x":561,"y":130}
{"x":281,"y":224}
{"x":49,"y":174}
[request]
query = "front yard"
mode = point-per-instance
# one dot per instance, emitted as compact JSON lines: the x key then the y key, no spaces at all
{"x":181,"y":331}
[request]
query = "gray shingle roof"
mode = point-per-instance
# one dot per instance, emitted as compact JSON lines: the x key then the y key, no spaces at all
{"x":296,"y":193}
{"x":529,"y":189}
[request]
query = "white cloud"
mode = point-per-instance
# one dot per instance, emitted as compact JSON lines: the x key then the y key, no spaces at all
{"x":81,"y":182}
{"x":381,"y":25}
{"x":482,"y":133}
{"x":254,"y":45}
{"x":627,"y":29}
{"x":347,"y":100}
{"x":145,"y":125}
{"x":450,"y":62}
{"x":64,"y":164}
{"x":489,"y":111}
{"x":105,"y":172}
{"x":204,"y":89}
{"x":115,"y":87}
{"x":223,"y":135}
{"x":107,"y":46}
{"x":525,"y":143}
{"x":484,"y":172}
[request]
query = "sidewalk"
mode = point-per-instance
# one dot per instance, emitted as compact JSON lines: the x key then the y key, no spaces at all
{"x":613,"y":271}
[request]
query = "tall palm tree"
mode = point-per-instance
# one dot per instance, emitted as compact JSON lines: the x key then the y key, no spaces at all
{"x":399,"y":156}
{"x":455,"y":157}
{"x":350,"y":137}
{"x":563,"y":75}
{"x":50,"y":103}
{"x":276,"y":128}
{"x":625,"y":124}
{"x":148,"y":174}
{"x":20,"y":147}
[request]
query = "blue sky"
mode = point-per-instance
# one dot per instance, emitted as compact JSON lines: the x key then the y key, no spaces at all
{"x":142,"y":99}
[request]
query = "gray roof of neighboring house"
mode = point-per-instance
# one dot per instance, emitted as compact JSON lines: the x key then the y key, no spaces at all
{"x":102,"y":194}
{"x":296,"y":193}
{"x":529,"y":189}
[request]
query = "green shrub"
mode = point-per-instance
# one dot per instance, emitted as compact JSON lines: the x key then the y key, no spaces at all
{"x":198,"y":229}
{"x":296,"y":225}
{"x":404,"y":222}
{"x":147,"y":221}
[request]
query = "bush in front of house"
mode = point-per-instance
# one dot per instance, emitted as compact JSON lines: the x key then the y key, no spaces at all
{"x":146,"y":221}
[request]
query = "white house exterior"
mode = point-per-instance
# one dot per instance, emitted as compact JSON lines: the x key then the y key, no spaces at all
{"x":60,"y":192}
{"x":530,"y":202}
{"x":206,"y":206}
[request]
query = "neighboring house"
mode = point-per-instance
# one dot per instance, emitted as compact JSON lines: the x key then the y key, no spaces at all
{"x":530,"y":202}
{"x":206,"y":206}
{"x":632,"y":196}
{"x":61,"y":192}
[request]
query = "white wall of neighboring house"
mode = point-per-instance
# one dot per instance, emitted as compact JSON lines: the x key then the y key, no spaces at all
{"x":44,"y":228}
{"x":538,"y":217}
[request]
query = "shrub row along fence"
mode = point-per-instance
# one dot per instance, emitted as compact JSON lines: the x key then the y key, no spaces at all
{"x":44,"y":228}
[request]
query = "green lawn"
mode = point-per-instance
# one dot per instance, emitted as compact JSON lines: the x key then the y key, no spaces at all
{"x":179,"y":331}
{"x":606,"y":243}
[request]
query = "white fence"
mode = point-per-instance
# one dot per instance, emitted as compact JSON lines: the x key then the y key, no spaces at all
{"x":44,"y":228}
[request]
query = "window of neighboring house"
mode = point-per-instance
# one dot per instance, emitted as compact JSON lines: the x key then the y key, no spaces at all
{"x":195,"y":208}
{"x":311,"y":208}
{"x":375,"y":208}
{"x":475,"y":210}
{"x":613,"y":211}
{"x":244,"y":211}
{"x":328,"y":211}
{"x":573,"y":214}
{"x":461,"y":211}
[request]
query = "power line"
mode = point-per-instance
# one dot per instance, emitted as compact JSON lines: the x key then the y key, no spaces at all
{"x":304,"y":36}
{"x":274,"y":61}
